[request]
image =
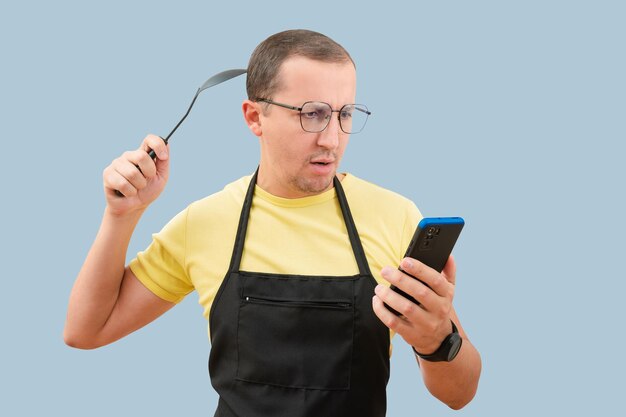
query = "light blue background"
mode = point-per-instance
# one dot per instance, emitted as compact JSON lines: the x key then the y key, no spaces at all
{"x":510,"y":114}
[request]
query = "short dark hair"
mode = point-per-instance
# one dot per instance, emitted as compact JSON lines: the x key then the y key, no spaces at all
{"x":262,"y":78}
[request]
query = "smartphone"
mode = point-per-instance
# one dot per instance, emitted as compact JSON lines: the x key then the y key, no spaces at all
{"x":432,"y":245}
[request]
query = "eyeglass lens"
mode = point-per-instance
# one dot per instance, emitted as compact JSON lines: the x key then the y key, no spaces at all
{"x":315,"y":116}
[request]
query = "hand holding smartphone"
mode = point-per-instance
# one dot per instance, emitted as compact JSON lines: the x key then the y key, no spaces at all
{"x":432,"y":245}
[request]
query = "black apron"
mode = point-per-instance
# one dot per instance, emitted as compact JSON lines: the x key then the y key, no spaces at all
{"x":297,"y":345}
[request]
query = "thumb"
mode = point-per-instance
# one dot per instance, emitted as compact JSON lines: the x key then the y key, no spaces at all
{"x":449,"y":271}
{"x":163,"y":162}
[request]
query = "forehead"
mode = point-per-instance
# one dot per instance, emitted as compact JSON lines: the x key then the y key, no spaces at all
{"x":302,"y":79}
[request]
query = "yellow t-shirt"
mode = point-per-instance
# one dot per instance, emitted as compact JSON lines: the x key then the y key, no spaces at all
{"x":304,"y":236}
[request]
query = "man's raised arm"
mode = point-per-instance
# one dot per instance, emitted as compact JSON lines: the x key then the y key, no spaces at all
{"x":107,"y":301}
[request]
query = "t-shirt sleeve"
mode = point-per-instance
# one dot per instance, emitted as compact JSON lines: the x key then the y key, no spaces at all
{"x":161,"y":267}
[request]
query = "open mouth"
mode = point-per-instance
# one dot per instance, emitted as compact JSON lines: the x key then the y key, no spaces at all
{"x":320,"y":163}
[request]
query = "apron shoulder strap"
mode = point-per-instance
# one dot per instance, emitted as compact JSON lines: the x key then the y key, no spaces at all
{"x":355,"y":241}
{"x":235,"y":259}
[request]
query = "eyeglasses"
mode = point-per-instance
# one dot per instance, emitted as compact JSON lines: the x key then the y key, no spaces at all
{"x":315,"y":115}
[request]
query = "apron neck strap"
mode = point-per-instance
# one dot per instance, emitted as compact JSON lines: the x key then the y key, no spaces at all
{"x":353,"y":234}
{"x":235,"y":259}
{"x":357,"y":248}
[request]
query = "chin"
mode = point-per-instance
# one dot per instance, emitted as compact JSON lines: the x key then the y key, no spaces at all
{"x":314,"y":186}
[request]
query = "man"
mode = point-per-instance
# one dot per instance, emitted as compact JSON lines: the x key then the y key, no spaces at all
{"x":288,"y":266}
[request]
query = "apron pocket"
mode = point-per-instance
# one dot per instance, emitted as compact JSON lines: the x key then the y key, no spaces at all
{"x":295,"y":343}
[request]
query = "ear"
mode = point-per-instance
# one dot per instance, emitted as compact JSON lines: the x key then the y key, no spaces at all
{"x":252,"y":116}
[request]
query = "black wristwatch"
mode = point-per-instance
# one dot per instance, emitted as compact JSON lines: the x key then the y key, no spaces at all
{"x":448,"y":350}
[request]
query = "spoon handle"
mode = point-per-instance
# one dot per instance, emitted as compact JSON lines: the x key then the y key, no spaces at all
{"x":214,"y":80}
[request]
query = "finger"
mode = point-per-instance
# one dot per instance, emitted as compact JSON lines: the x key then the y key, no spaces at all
{"x":413,"y":312}
{"x":126,"y":168}
{"x":141,"y":159}
{"x":395,"y":323}
{"x":449,"y":271}
{"x":429,"y":299}
{"x":427,"y":275}
{"x":157,"y":144}
{"x":114,"y":181}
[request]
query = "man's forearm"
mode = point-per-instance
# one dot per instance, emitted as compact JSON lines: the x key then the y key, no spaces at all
{"x":97,"y":285}
{"x":454,"y":383}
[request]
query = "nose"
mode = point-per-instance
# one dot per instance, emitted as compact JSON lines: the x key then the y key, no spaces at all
{"x":329,"y":137}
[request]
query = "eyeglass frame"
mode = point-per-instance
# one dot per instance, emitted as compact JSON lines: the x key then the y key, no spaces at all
{"x":299,"y":109}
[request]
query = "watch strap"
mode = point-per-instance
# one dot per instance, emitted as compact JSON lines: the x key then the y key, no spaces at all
{"x":448,"y":349}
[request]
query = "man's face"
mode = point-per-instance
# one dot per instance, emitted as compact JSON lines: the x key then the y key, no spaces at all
{"x":295,"y":163}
